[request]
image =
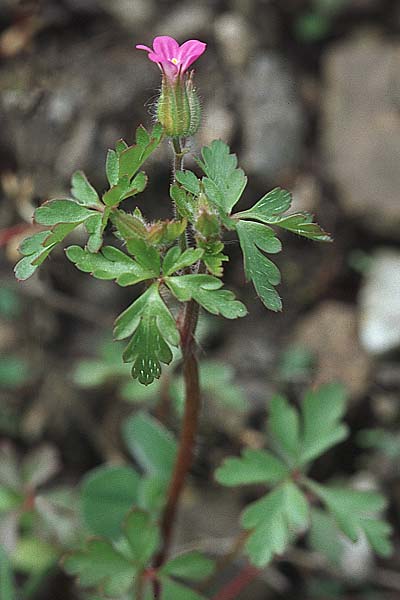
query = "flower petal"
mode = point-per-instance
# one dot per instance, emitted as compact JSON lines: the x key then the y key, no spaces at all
{"x":166,"y":47}
{"x":189,"y":52}
{"x":141,"y":47}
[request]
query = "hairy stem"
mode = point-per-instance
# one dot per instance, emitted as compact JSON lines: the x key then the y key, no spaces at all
{"x":187,"y":326}
{"x":189,"y":425}
{"x":233,"y":588}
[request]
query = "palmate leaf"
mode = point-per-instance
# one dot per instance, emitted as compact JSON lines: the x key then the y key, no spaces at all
{"x":175,"y":259}
{"x":357,"y":512}
{"x":284,"y":429}
{"x":264,"y":274}
{"x":223,"y":183}
{"x":190,"y":565}
{"x":100,"y":564}
{"x":151,"y":444}
{"x":254,"y":466}
{"x":113,"y":569}
{"x":206,"y":291}
{"x":188,"y":181}
{"x":270,"y":208}
{"x":143,"y":536}
{"x":83,"y":191}
{"x":153,"y":330}
{"x":274,"y":519}
{"x":107,"y":494}
{"x":131,"y":159}
{"x":110,"y":263}
{"x":322,"y":411}
{"x":172,"y":590}
{"x":34,"y":253}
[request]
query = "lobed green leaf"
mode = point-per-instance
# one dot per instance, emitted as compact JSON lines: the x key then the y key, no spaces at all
{"x":254,"y":466}
{"x":108,"y":264}
{"x":264,"y":274}
{"x":205,"y":290}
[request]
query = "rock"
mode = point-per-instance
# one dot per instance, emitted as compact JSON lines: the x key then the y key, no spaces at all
{"x":361,"y":128}
{"x":330,"y":332}
{"x":52,"y":121}
{"x":272,"y":118}
{"x":131,"y":15}
{"x":380,"y":304}
{"x":218,"y":123}
{"x":235,"y":37}
{"x":186,"y":20}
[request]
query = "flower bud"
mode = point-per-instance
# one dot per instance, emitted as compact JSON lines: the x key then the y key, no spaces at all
{"x":178,"y":108}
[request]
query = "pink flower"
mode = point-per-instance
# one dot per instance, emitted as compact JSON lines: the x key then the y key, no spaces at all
{"x":174,"y":60}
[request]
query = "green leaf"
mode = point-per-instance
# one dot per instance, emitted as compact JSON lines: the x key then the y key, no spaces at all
{"x":110,"y":263}
{"x":112,"y":167}
{"x":350,"y":508}
{"x":377,"y":533}
{"x":191,"y":565}
{"x":83,"y":191}
{"x":153,"y":328}
{"x":143,"y":536}
{"x":275,"y":202}
{"x":132,"y":158}
{"x":253,"y":238}
{"x":152,"y":494}
{"x":7,"y":584}
{"x":189,"y":181}
{"x":284,"y":428}
{"x":61,"y":211}
{"x":224,"y":182}
{"x":33,"y":555}
{"x":254,"y":466}
{"x":321,"y":412}
{"x":172,"y":590}
{"x":300,"y":223}
{"x":95,"y":227}
{"x":274,"y":518}
{"x":107,"y":494}
{"x":324,"y":536}
{"x":175,"y":259}
{"x":99,"y":564}
{"x":206,"y":291}
{"x":146,"y":255}
{"x":184,"y":202}
{"x":34,"y":253}
{"x":268,"y":210}
{"x":151,"y":444}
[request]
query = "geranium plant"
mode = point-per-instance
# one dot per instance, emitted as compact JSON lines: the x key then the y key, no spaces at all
{"x":178,"y":265}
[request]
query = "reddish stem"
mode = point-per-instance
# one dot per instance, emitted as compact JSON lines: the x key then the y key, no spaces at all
{"x":189,"y":426}
{"x":232,"y":589}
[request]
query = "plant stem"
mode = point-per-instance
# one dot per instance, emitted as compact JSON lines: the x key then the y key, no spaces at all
{"x":189,"y":425}
{"x":233,"y":588}
{"x":187,"y":326}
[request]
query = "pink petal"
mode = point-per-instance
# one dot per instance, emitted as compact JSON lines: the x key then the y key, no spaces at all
{"x":141,"y":47}
{"x":189,"y":52}
{"x":166,"y":47}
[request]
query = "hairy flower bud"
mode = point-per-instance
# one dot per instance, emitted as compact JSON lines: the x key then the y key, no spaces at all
{"x":178,"y":107}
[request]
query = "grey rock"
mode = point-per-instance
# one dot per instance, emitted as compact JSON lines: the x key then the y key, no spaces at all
{"x":235,"y":37}
{"x":272,"y":117}
{"x":131,"y":14}
{"x":54,"y":107}
{"x":380,"y":304}
{"x":330,"y":333}
{"x":186,"y":20}
{"x":361,"y":132}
